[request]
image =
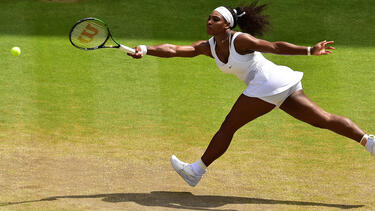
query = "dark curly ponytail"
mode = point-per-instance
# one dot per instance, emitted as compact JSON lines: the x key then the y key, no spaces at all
{"x":250,"y":18}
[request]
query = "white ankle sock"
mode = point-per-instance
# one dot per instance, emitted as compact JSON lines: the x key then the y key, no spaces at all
{"x":199,"y":167}
{"x":363,"y":138}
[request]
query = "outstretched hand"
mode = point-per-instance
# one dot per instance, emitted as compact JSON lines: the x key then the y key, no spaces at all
{"x":138,"y":53}
{"x":322,"y":48}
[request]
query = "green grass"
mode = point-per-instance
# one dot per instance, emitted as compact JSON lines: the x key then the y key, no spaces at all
{"x":59,"y":103}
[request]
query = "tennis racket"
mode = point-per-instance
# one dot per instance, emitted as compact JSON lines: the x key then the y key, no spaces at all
{"x":92,"y":33}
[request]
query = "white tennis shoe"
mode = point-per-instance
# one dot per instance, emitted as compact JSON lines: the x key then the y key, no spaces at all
{"x":185,"y":170}
{"x":370,"y":145}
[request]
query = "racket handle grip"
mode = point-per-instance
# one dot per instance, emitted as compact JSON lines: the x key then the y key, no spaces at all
{"x":127,"y":49}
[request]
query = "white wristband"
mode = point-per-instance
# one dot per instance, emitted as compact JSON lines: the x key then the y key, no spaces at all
{"x":308,"y":51}
{"x":143,"y":49}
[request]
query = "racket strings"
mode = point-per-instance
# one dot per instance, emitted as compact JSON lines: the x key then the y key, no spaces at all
{"x":89,"y":34}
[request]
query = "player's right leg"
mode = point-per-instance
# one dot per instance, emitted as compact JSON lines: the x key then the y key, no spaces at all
{"x":244,"y":110}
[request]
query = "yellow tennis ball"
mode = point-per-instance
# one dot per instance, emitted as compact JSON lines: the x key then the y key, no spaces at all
{"x":16,"y":51}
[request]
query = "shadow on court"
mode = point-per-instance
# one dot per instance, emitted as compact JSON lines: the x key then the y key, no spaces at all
{"x":185,"y":200}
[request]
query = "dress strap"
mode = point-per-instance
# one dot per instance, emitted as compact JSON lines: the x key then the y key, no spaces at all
{"x":235,"y":35}
{"x":233,"y":38}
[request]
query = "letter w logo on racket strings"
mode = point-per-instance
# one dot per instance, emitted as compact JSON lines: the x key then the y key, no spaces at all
{"x":94,"y":31}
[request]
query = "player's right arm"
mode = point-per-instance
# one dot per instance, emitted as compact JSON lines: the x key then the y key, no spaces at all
{"x":169,"y":50}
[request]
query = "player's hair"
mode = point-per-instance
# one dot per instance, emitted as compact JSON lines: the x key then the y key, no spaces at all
{"x":252,"y":21}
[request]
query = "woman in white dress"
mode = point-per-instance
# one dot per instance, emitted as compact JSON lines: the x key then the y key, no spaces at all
{"x":269,"y":86}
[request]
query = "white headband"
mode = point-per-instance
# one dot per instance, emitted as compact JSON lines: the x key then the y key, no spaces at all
{"x":226,"y":14}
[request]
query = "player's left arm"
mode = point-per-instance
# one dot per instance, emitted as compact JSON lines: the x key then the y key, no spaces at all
{"x":246,"y":43}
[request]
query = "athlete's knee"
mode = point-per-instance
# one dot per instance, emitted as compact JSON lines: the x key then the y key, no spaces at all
{"x":228,"y":127}
{"x":328,"y":121}
{"x":340,"y":120}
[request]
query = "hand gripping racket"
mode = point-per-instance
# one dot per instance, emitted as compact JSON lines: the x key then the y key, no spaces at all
{"x":91,"y":34}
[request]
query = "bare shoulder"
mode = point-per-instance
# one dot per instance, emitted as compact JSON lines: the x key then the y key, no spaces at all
{"x":245,"y":37}
{"x":203,"y":47}
{"x":243,"y":43}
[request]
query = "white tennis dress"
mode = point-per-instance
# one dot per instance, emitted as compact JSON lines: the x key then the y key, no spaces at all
{"x":262,"y":77}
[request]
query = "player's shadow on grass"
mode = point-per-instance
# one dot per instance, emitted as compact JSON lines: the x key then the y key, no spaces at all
{"x":185,"y":200}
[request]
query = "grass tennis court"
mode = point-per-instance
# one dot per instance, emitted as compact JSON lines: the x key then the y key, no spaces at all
{"x":95,"y":130}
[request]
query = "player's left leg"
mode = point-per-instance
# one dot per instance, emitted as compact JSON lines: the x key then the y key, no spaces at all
{"x":302,"y":108}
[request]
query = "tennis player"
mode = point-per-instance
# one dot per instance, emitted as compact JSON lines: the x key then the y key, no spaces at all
{"x":269,"y":85}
